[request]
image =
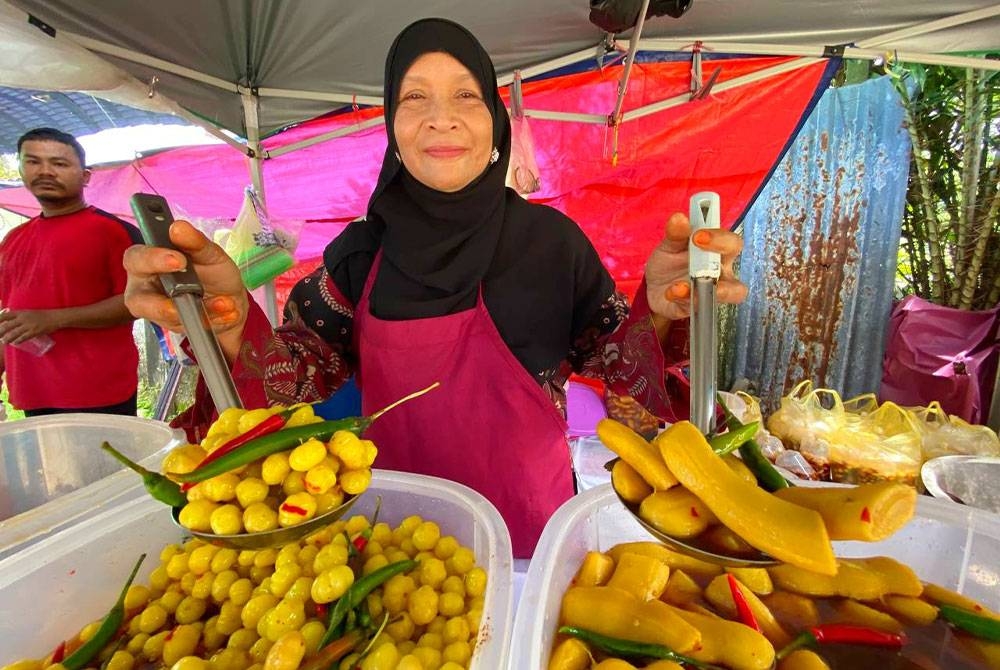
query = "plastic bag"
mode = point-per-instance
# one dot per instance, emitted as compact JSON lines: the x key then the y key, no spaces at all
{"x":259,"y":249}
{"x":524,"y":176}
{"x":806,"y":414}
{"x":949,"y":435}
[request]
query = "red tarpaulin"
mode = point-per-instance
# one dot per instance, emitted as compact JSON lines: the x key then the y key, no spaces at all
{"x":727,"y":142}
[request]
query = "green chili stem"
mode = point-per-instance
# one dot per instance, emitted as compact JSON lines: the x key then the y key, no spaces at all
{"x":158,"y":486}
{"x":109,"y":627}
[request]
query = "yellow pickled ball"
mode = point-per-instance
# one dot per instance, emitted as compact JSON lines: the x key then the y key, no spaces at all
{"x":313,"y":633}
{"x":355,"y":482}
{"x":456,"y":629}
{"x":227,"y":520}
{"x":347,"y":446}
{"x":457,"y":652}
{"x":429,"y":656}
{"x":227,"y":421}
{"x":223,"y":560}
{"x":256,"y":608}
{"x":259,"y":518}
{"x":451,"y":604}
{"x":320,"y":479}
{"x":461,"y":562}
{"x":329,"y":556}
{"x":153,"y":618}
{"x":331,"y":584}
{"x":274,"y":468}
{"x":475,"y":582}
{"x":423,"y":605}
{"x":426,"y":535}
{"x":251,"y":490}
{"x":240,"y":592}
{"x":297,"y":508}
{"x":371,"y":452}
{"x":183,"y":459}
{"x":242,"y":639}
{"x":294,"y":482}
{"x":432,"y":572}
{"x":190,"y":610}
{"x":121,"y":660}
{"x":200,"y":560}
{"x":191,"y":663}
{"x":221,"y":488}
{"x":180,"y":643}
{"x":251,"y":418}
{"x":301,"y":589}
{"x":153,"y":648}
{"x":137,"y":596}
{"x":307,"y":455}
{"x":401,"y":628}
{"x":197,"y":515}
{"x":302,"y":416}
{"x":287,"y":652}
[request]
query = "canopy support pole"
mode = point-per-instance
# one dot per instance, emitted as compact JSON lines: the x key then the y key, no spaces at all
{"x":248,"y":97}
{"x":633,"y":47}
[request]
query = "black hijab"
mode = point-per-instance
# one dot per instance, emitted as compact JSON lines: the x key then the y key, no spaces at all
{"x":541,"y":278}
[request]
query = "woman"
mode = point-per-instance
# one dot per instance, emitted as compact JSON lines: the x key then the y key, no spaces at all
{"x":451,"y":278}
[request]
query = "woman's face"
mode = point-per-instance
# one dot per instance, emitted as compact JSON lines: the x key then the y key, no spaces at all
{"x":444,"y":131}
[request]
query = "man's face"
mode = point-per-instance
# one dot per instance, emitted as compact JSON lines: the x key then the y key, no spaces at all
{"x":52,"y":171}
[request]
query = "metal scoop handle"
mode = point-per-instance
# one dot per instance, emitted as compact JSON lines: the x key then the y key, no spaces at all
{"x":154,"y":218}
{"x":704,"y":268}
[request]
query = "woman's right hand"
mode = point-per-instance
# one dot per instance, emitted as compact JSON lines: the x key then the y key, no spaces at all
{"x":225,"y":299}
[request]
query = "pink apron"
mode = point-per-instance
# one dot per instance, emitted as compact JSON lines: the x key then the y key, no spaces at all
{"x":488,"y":426}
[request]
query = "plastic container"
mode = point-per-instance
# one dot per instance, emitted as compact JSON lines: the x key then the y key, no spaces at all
{"x":53,"y":472}
{"x":50,"y":590}
{"x":951,"y":545}
{"x":971,"y":480}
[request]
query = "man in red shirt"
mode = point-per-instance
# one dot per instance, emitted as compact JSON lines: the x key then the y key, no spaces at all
{"x":61,"y":276}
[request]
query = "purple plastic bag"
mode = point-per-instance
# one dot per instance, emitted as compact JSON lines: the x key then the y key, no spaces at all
{"x":944,"y":354}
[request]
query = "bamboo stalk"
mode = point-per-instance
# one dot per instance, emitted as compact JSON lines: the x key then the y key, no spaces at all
{"x":927,"y":203}
{"x":979,"y":253}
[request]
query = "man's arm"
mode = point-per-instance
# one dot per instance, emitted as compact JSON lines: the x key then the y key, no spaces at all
{"x":17,"y":326}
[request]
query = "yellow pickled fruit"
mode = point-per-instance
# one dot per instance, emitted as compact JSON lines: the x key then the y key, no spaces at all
{"x":256,"y":608}
{"x":223,"y":560}
{"x":283,"y":578}
{"x":355,"y":482}
{"x":313,"y":633}
{"x":458,"y":653}
{"x":371,"y":452}
{"x":329,"y":556}
{"x":432,"y":572}
{"x":294,"y":482}
{"x":446,"y":547}
{"x":301,"y":589}
{"x":307,"y":455}
{"x":121,"y":660}
{"x":183,"y":459}
{"x":302,"y":416}
{"x":152,"y":618}
{"x":331,"y":584}
{"x":197,"y":515}
{"x":190,"y":610}
{"x":461,"y":562}
{"x":348,"y":447}
{"x":221,"y":488}
{"x":456,"y":629}
{"x":180,"y":643}
{"x":259,"y":518}
{"x":251,"y":490}
{"x":327,"y":501}
{"x":227,"y":520}
{"x":297,"y":508}
{"x":191,"y":663}
{"x":320,"y":479}
{"x":401,"y":628}
{"x":227,"y":422}
{"x":26,"y":664}
{"x":385,"y":656}
{"x":251,"y":419}
{"x":429,"y":656}
{"x":200,"y":560}
{"x":287,"y":652}
{"x":426,"y":535}
{"x":287,"y":615}
{"x":136,"y":597}
{"x":274,"y":468}
{"x":475,"y":582}
{"x":423,"y":605}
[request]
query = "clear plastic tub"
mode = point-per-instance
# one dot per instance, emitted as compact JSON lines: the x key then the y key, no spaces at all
{"x":951,"y":545}
{"x":53,"y":472}
{"x":51,"y":589}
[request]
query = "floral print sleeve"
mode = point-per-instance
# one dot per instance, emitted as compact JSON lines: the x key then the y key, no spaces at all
{"x":306,"y":359}
{"x":621,"y":348}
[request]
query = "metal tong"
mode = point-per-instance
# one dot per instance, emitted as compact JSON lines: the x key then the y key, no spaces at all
{"x":704,"y":268}
{"x":154,"y":218}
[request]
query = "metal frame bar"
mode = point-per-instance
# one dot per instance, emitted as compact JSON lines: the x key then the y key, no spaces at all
{"x":633,"y":47}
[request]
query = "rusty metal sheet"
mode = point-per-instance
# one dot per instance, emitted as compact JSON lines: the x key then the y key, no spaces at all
{"x":820,"y":250}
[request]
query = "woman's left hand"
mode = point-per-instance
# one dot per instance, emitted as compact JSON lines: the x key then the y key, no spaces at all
{"x":668,"y":286}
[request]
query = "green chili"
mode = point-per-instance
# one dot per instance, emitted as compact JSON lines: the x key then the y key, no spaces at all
{"x":287,"y":438}
{"x":358,"y":591}
{"x":109,"y":628}
{"x":734,"y":438}
{"x":767,"y":475}
{"x":983,"y":627}
{"x":631,"y":649}
{"x":158,"y":486}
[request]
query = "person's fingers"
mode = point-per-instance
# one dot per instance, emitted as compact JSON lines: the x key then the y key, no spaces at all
{"x":676,"y":233}
{"x":145,"y":262}
{"x":192,"y":241}
{"x":679,"y":291}
{"x":723,"y":242}
{"x":154,"y":307}
{"x":731,"y":292}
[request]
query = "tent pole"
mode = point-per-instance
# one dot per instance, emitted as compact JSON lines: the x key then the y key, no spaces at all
{"x":931,"y":26}
{"x":658,"y":44}
{"x":685,"y":97}
{"x":332,"y":135}
{"x":250,"y":101}
{"x":633,"y":46}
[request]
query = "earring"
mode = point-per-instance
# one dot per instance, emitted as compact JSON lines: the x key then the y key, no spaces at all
{"x":398,"y":157}
{"x":495,"y":156}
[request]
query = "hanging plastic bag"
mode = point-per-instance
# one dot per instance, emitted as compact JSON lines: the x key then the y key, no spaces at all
{"x":259,"y":250}
{"x":949,"y":435}
{"x":524,"y":175}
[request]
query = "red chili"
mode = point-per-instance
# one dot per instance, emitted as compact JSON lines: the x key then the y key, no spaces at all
{"x":293,"y":509}
{"x":321,"y":610}
{"x":866,"y":516}
{"x":59,"y":653}
{"x":361,"y":541}
{"x":271,"y":424}
{"x":851,"y":634}
{"x":694,"y":512}
{"x":742,"y":606}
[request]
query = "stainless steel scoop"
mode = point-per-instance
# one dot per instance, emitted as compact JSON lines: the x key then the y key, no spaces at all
{"x":184,"y":287}
{"x":704,"y":269}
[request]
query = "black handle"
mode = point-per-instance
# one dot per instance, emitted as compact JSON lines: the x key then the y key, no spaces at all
{"x":153,"y":215}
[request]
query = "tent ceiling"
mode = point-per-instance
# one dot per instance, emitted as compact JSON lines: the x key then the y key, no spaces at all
{"x":323,"y":46}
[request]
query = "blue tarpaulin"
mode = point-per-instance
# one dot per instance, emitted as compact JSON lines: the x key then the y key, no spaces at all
{"x":820,"y":249}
